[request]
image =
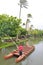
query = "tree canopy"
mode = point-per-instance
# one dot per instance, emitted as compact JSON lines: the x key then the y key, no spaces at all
{"x":9,"y":25}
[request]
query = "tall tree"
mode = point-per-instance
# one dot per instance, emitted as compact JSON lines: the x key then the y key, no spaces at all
{"x":28,"y":20}
{"x":22,"y":3}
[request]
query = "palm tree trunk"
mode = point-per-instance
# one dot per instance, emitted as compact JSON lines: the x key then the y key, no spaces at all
{"x":19,"y":18}
{"x":26,"y":25}
{"x":20,"y":11}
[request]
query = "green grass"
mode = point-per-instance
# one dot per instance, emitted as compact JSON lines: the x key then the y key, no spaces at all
{"x":6,"y":46}
{"x":23,"y":41}
{"x":3,"y":45}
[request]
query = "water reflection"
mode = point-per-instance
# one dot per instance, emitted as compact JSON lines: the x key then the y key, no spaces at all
{"x":36,"y":58}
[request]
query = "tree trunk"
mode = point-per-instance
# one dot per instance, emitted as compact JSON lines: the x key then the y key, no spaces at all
{"x":20,"y":12}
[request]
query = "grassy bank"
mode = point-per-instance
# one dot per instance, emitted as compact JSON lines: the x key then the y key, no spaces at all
{"x":31,"y":40}
{"x":7,"y":44}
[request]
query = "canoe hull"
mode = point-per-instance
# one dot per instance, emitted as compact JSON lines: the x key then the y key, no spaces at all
{"x":20,"y":58}
{"x":10,"y":54}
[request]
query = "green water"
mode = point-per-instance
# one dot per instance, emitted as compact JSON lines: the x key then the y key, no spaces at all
{"x":36,"y":58}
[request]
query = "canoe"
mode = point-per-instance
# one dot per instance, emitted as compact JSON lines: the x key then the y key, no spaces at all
{"x":27,"y":51}
{"x":10,"y":54}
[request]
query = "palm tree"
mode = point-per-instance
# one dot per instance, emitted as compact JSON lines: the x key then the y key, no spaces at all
{"x":31,"y":27}
{"x":28,"y":20}
{"x":22,"y":3}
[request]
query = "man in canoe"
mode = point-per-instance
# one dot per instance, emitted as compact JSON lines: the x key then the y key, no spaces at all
{"x":20,"y":48}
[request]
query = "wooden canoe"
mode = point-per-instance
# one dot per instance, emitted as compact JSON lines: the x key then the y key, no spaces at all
{"x":27,"y":51}
{"x":11,"y":54}
{"x":8,"y":56}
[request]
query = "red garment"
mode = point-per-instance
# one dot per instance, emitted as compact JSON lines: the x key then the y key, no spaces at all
{"x":20,"y":48}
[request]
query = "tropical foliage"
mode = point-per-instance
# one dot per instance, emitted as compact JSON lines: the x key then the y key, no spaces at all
{"x":36,"y":33}
{"x":10,"y":26}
